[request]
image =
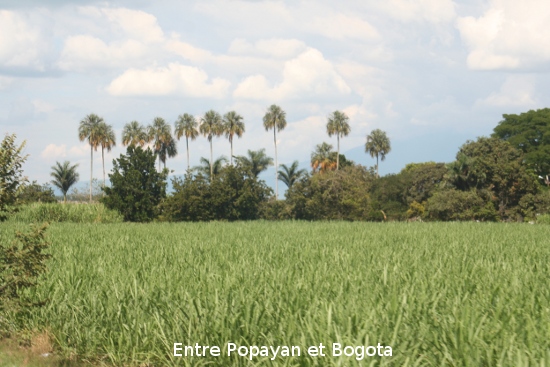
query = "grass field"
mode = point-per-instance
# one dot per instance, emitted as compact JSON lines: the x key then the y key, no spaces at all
{"x":455,"y":294}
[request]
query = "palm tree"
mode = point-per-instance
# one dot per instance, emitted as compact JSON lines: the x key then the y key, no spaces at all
{"x":134,"y":134}
{"x":88,"y":130}
{"x":64,"y":176}
{"x":378,"y":145}
{"x":323,"y":158}
{"x":255,"y":163}
{"x":211,"y":125}
{"x":163,"y":143}
{"x":232,"y":125}
{"x":338,"y":125}
{"x":289,"y":175}
{"x":275,"y":118}
{"x":186,"y":125}
{"x":208,"y":170}
{"x":107,"y":140}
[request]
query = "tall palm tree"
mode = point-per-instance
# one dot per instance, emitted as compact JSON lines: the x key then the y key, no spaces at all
{"x":275,"y":118}
{"x":232,"y":125}
{"x":134,"y":134}
{"x":64,"y":176}
{"x":378,"y":145}
{"x":256,"y":162}
{"x":159,"y":132}
{"x":186,"y":125}
{"x":107,"y":140}
{"x":289,"y":175}
{"x":211,"y":125}
{"x":210,"y":170}
{"x":323,"y":158}
{"x":88,"y":130}
{"x":338,"y":124}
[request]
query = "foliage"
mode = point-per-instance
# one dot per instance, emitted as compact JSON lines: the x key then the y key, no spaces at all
{"x":440,"y":294}
{"x":290,"y":175}
{"x":107,"y":140}
{"x":205,"y":169}
{"x":275,"y":118}
{"x":530,"y":133}
{"x":164,"y":145}
{"x":211,"y":125}
{"x":75,"y":213}
{"x":186,"y":125}
{"x":255,"y":163}
{"x":422,"y":180}
{"x":89,"y":129}
{"x":338,"y":124}
{"x":416,"y":210}
{"x":494,"y":166}
{"x":389,"y":198}
{"x":543,"y":219}
{"x":275,"y":210}
{"x":11,"y":173}
{"x":341,"y":194}
{"x":134,"y":133}
{"x":230,"y":195}
{"x":378,"y":145}
{"x":233,"y":125}
{"x":136,"y":187}
{"x":35,"y":193}
{"x":79,"y":194}
{"x":323,"y":159}
{"x":21,"y":265}
{"x":531,"y":206}
{"x":64,"y":177}
{"x":452,"y":204}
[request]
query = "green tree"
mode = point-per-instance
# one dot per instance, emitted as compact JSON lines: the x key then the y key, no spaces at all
{"x":255,"y":163}
{"x":289,"y":175}
{"x":211,"y":125}
{"x":136,"y":186}
{"x":186,"y":125}
{"x":530,"y":133}
{"x":11,"y":173}
{"x":164,"y":145}
{"x":378,"y":145}
{"x":208,"y":170}
{"x":107,"y":140}
{"x":275,"y":118}
{"x":323,"y":158}
{"x":35,"y":193}
{"x":89,"y":130}
{"x":64,"y":177}
{"x":233,"y":125}
{"x":338,"y":124}
{"x":134,"y":133}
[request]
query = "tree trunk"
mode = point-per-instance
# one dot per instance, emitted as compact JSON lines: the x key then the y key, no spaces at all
{"x":377,"y":175}
{"x":91,"y":169}
{"x":231,"y":142}
{"x":338,"y":152}
{"x":103,"y":160}
{"x":211,"y":160}
{"x":187,"y":145}
{"x":276,"y":170}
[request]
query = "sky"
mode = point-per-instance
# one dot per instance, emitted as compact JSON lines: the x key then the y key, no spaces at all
{"x":430,"y":73}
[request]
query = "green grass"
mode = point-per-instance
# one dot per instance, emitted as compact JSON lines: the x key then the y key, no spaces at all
{"x":75,"y":213}
{"x":440,"y":294}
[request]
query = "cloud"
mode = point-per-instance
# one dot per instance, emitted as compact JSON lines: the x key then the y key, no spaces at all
{"x":509,"y":35}
{"x":340,"y":26}
{"x":5,"y":82}
{"x":274,"y":47}
{"x":53,"y":151}
{"x":21,"y":44}
{"x":432,"y":11}
{"x":175,"y":79}
{"x":307,"y":75}
{"x":516,"y":91}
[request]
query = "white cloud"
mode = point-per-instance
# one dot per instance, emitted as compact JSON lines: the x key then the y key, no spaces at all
{"x":433,"y":11}
{"x":340,"y":26}
{"x":307,"y":75}
{"x":136,"y":24}
{"x":171,"y":80}
{"x":53,"y":151}
{"x":21,"y":44}
{"x":79,"y":150}
{"x":273,"y":47}
{"x":509,"y":35}
{"x":5,"y":82}
{"x":516,"y":91}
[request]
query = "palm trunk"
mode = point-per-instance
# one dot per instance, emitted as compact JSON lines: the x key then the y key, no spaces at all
{"x":231,"y":142}
{"x":91,"y":169}
{"x":211,"y":160}
{"x":377,"y":175}
{"x":338,"y":152}
{"x":276,"y":166}
{"x":187,"y":145}
{"x":64,"y":198}
{"x":159,"y":162}
{"x":103,"y":160}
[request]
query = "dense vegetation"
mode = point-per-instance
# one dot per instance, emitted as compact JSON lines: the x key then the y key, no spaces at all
{"x":462,"y":294}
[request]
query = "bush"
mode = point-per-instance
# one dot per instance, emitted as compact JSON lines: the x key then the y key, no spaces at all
{"x":460,"y":205}
{"x":35,"y":193}
{"x":76,"y":213}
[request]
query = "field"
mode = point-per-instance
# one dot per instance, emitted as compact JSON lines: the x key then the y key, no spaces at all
{"x":454,"y":294}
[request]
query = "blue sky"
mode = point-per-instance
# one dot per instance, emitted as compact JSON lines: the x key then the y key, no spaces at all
{"x":431,"y":73}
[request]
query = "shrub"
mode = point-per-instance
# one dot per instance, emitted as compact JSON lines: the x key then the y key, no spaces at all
{"x":453,"y":204}
{"x":76,"y":213}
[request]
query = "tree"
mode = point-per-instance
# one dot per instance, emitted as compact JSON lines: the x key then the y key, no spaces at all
{"x":11,"y":172}
{"x":136,"y":186}
{"x":275,"y":118}
{"x":255,"y":163}
{"x":289,"y":175}
{"x":89,"y":130}
{"x":64,"y":177}
{"x":232,"y":125}
{"x":134,"y":133}
{"x":338,"y":124}
{"x":160,"y":135}
{"x":107,"y":140}
{"x":323,"y":158}
{"x":378,"y":145}
{"x":35,"y":193}
{"x":530,"y":133}
{"x":208,"y":170}
{"x":211,"y":125}
{"x":186,"y":125}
